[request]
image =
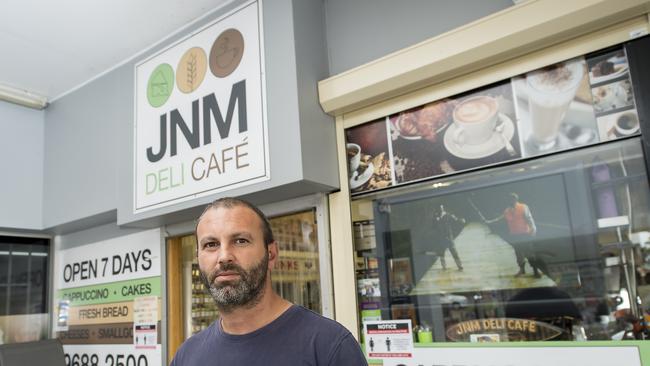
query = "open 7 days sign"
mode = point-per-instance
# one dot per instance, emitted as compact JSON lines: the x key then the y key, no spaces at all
{"x":200,"y":125}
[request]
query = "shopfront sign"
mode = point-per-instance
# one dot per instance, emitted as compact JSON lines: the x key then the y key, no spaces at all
{"x":109,"y":293}
{"x":521,"y":356}
{"x":502,"y":329}
{"x":200,"y":122}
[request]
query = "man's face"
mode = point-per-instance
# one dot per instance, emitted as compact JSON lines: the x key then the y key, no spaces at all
{"x":513,"y":202}
{"x":233,"y":260}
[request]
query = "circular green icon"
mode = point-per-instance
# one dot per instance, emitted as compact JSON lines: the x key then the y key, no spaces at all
{"x":160,"y":85}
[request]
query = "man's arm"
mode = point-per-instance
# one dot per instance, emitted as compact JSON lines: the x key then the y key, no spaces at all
{"x":495,"y":219}
{"x":529,"y":218}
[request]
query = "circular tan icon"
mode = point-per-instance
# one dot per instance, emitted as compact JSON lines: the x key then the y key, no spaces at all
{"x":226,"y":53}
{"x":191,"y":70}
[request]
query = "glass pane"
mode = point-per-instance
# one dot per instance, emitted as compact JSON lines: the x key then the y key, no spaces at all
{"x":3,"y":300}
{"x":18,"y":300}
{"x":204,"y":311}
{"x":552,"y":249}
{"x":38,"y":285}
{"x":23,"y":275}
{"x":296,"y":276}
{"x":4,"y":265}
{"x":19,"y":267}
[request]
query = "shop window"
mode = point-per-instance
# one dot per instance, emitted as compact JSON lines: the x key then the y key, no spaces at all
{"x":556,"y":248}
{"x":23,"y":289}
{"x":297,"y":273}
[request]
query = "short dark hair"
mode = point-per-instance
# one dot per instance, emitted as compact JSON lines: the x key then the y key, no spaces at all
{"x":230,"y":202}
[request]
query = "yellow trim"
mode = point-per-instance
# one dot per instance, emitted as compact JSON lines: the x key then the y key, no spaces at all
{"x":506,"y":35}
{"x":343,"y":275}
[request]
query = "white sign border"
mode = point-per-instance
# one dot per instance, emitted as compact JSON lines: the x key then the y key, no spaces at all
{"x":267,"y":160}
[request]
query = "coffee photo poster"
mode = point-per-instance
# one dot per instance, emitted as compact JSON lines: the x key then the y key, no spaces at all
{"x":467,"y":131}
{"x":613,"y":96}
{"x":369,"y":162}
{"x":573,"y":103}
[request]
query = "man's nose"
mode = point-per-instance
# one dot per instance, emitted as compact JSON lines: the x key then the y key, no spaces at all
{"x":226,"y":254}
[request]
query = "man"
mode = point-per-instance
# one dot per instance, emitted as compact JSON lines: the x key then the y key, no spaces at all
{"x":521,"y":230}
{"x":236,"y":252}
{"x":448,"y":226}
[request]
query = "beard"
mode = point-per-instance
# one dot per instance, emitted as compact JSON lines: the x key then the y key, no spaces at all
{"x":245,"y":292}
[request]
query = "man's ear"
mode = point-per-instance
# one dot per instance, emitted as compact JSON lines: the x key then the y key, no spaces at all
{"x":273,"y":253}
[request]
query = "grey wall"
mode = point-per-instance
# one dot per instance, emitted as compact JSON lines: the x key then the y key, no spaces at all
{"x":81,"y":151}
{"x":80,"y":175}
{"x":21,"y":164}
{"x":89,"y":149}
{"x":360,"y":31}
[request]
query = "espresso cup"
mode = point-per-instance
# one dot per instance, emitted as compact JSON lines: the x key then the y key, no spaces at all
{"x":627,"y":124}
{"x":475,"y":119}
{"x":354,"y":156}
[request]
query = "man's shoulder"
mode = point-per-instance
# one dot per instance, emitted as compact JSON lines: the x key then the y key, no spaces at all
{"x":309,"y":323}
{"x":195,"y":343}
{"x":333,"y":344}
{"x":307,"y":315}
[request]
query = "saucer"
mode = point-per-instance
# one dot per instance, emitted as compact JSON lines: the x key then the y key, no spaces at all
{"x":358,"y":180}
{"x":569,"y":135}
{"x":395,"y":127}
{"x":620,"y":70}
{"x":487,"y":148}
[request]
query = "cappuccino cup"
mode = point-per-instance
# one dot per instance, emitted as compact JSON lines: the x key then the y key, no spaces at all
{"x":627,"y":124}
{"x":354,"y":156}
{"x":475,"y":119}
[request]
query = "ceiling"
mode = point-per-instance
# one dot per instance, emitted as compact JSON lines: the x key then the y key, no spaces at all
{"x":54,"y":47}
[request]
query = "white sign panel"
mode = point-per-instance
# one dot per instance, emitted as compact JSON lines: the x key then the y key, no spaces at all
{"x":111,"y":355}
{"x":120,"y":259}
{"x":388,"y":339}
{"x":200,"y":121}
{"x":521,"y":356}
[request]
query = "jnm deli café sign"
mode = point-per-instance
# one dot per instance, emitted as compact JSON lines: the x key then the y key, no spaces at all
{"x":200,"y":123}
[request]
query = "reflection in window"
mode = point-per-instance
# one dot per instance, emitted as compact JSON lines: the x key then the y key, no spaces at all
{"x":23,"y":289}
{"x":296,"y":275}
{"x":551,"y":249}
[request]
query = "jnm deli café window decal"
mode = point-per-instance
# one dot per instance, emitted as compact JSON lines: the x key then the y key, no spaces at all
{"x":200,"y":123}
{"x":574,"y":103}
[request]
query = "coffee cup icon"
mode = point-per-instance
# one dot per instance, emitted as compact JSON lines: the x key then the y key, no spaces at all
{"x":354,"y":156}
{"x":627,"y":124}
{"x":475,"y":119}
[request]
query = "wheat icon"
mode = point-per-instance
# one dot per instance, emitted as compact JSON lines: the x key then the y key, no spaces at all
{"x":191,"y":71}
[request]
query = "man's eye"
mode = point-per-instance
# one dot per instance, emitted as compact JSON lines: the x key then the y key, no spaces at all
{"x":211,"y":244}
{"x":241,"y":241}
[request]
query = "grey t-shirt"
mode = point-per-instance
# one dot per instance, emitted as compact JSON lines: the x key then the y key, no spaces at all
{"x":297,"y":337}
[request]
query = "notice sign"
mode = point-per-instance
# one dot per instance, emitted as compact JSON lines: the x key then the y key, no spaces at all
{"x":200,"y":124}
{"x":145,"y":319}
{"x":388,"y":339}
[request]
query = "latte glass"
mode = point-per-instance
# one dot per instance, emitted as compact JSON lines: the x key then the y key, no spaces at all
{"x":550,"y":92}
